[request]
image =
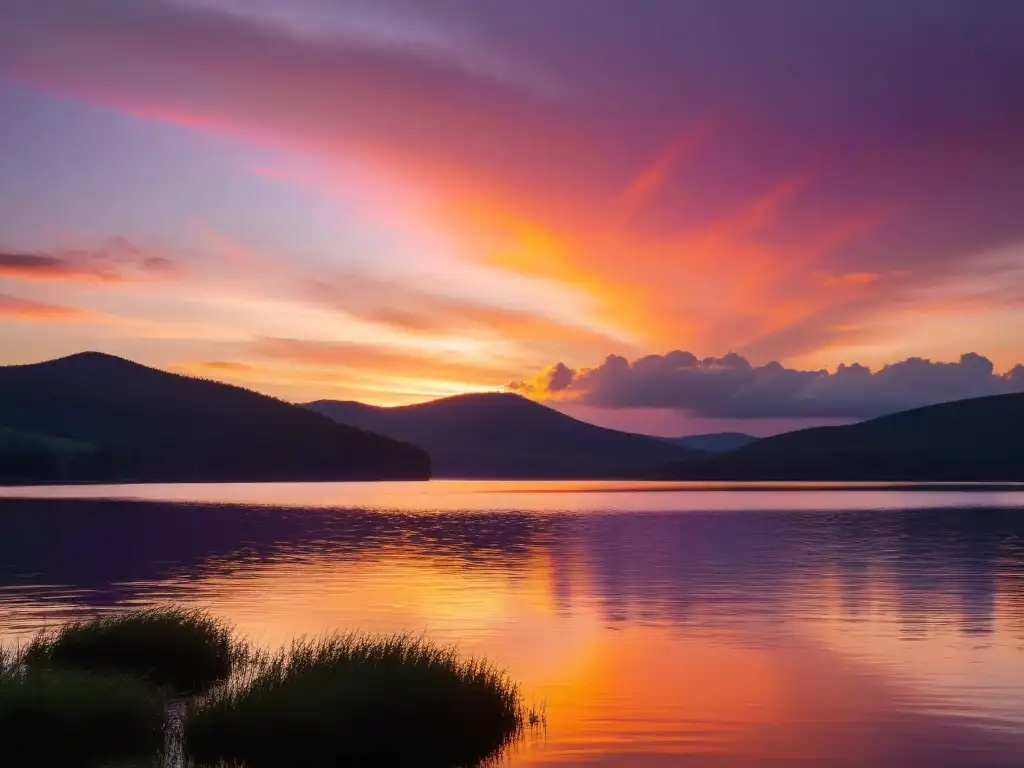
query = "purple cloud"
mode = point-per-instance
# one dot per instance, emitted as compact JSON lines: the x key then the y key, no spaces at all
{"x":904,"y":113}
{"x":117,"y":260}
{"x":729,"y":387}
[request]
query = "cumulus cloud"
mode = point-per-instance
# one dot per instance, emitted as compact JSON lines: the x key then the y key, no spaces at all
{"x":730,"y":387}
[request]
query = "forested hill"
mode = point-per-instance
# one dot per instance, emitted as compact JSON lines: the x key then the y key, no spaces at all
{"x":500,"y":435}
{"x":106,"y":418}
{"x":980,"y":439}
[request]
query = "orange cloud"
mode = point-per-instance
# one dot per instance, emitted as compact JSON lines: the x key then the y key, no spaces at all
{"x":724,"y":281}
{"x":650,"y":179}
{"x":413,"y":310}
{"x":218,"y":366}
{"x":24,"y":309}
{"x":550,"y":181}
{"x":692,"y":285}
{"x":852,"y":278}
{"x":375,"y":360}
{"x":306,"y":370}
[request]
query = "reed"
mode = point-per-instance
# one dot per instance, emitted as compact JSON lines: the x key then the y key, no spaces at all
{"x":354,"y":699}
{"x":182,"y":649}
{"x":72,"y":717}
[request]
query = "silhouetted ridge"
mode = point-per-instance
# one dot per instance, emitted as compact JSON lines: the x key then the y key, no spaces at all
{"x":147,"y":424}
{"x":503,"y":435}
{"x":970,"y":440}
{"x":715,"y":442}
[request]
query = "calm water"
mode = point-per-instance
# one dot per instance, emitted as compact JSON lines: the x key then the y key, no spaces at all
{"x":662,"y":627}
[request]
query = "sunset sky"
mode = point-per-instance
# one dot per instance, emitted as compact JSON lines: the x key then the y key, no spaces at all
{"x":662,"y":215}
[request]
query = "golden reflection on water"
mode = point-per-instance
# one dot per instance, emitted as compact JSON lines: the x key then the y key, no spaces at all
{"x":621,"y":693}
{"x":732,"y":638}
{"x":550,"y":495}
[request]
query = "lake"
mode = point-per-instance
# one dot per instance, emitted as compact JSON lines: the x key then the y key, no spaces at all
{"x":658,"y":624}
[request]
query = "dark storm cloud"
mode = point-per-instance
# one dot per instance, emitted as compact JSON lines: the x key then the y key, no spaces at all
{"x":730,"y":387}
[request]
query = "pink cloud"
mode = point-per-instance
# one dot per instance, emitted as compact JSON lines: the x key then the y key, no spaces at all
{"x":118,"y":260}
{"x":722,"y":233}
{"x":24,"y":309}
{"x":270,"y":173}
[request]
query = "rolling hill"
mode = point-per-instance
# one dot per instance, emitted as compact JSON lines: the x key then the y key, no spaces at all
{"x":980,"y":439}
{"x":32,"y":457}
{"x":716,"y":442}
{"x":149,"y":425}
{"x":498,"y":435}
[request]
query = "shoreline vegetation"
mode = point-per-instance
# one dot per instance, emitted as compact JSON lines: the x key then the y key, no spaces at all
{"x":176,"y":649}
{"x":170,"y":686}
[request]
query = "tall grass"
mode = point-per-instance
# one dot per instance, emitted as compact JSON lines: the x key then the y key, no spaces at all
{"x":163,"y":761}
{"x":181,"y":649}
{"x":357,"y":700}
{"x":10,"y":661}
{"x":75,"y":718}
{"x":92,"y":691}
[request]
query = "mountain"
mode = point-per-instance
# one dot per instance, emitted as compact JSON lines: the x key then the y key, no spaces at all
{"x":980,"y":439}
{"x":130,"y":422}
{"x":28,"y":442}
{"x":716,"y":442}
{"x":32,"y":457}
{"x":499,"y":435}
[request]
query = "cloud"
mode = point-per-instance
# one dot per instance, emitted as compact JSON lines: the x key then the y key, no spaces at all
{"x":371,"y":360}
{"x":217,"y":366}
{"x":24,"y":309}
{"x":247,"y":73}
{"x":117,"y":260}
{"x":411,"y":309}
{"x":730,"y":387}
{"x":560,"y":377}
{"x":374,"y":24}
{"x":758,"y":229}
{"x":270,"y":173}
{"x":481,"y":306}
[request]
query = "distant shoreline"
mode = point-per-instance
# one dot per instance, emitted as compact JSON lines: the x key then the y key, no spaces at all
{"x":595,"y":485}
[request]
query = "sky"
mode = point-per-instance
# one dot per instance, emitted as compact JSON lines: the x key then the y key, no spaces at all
{"x":670,"y":216}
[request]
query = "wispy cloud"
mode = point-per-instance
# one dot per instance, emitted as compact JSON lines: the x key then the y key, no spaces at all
{"x":417,"y":310}
{"x":218,"y":367}
{"x":270,"y":173}
{"x":374,"y":359}
{"x":119,"y":260}
{"x":25,"y":309}
{"x":864,"y":159}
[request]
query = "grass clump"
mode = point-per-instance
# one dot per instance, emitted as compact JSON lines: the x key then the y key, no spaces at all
{"x":357,"y":700}
{"x":72,"y":717}
{"x":10,"y":662}
{"x":181,"y":649}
